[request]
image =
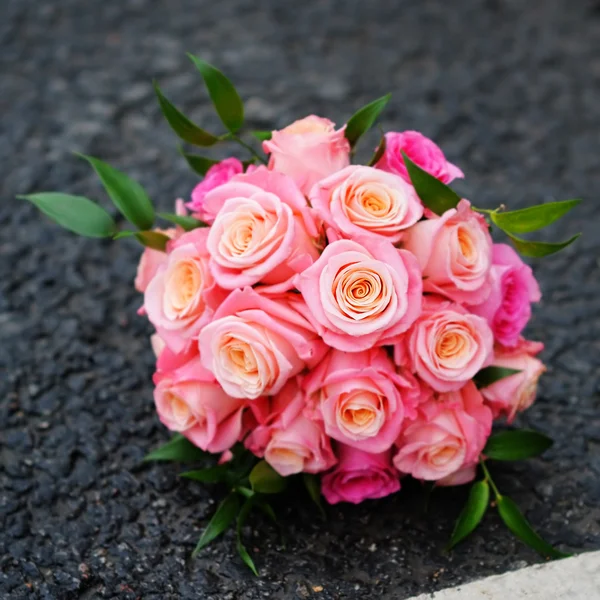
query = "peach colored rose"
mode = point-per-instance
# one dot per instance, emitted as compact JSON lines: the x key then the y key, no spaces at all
{"x":217,"y":175}
{"x":361,"y":200}
{"x":460,"y":477}
{"x":150,"y":261}
{"x":455,"y":254}
{"x":254,"y":344}
{"x":422,"y":151}
{"x":360,"y":398}
{"x":182,"y":295}
{"x":300,"y":447}
{"x":447,"y":345}
{"x":189,"y":400}
{"x":517,"y":392}
{"x":359,"y":476}
{"x":447,"y":437}
{"x":308,"y":150}
{"x":263,"y":231}
{"x":361,"y":294}
{"x":514,"y":288}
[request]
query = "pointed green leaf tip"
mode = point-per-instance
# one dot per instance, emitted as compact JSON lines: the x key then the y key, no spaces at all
{"x":363,"y":119}
{"x":518,"y":524}
{"x":540,"y":249}
{"x":75,"y":213}
{"x":472,"y":513}
{"x":178,"y":449}
{"x":223,"y":94}
{"x":244,"y":512}
{"x":517,"y":444}
{"x":127,"y":195}
{"x":225,"y":515}
{"x":434,"y":194}
{"x":533,"y":218}
{"x":264,"y":479}
{"x":181,"y":125}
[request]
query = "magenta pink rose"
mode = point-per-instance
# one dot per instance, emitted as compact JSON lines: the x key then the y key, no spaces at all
{"x":447,"y":437}
{"x":447,"y":345}
{"x":217,"y":175}
{"x":455,"y":254}
{"x":189,"y":400}
{"x":263,"y":231}
{"x":362,"y":294}
{"x":183,"y":294}
{"x":254,"y":343}
{"x":422,"y":151}
{"x":360,"y":398}
{"x":308,"y":150}
{"x":301,"y":447}
{"x":514,"y":288}
{"x":365,"y":201}
{"x":517,"y":392}
{"x":359,"y":476}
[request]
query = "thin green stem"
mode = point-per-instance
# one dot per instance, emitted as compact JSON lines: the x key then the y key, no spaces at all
{"x":489,"y":479}
{"x":248,"y":147}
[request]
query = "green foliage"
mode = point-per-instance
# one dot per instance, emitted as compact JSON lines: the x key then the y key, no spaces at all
{"x":532,"y":218}
{"x":472,"y":513}
{"x":178,"y":449}
{"x":492,"y":374}
{"x":187,"y":223}
{"x":223,"y":517}
{"x":517,"y":444}
{"x":363,"y":119}
{"x":265,"y":480}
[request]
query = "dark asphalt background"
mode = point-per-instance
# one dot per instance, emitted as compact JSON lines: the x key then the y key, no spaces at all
{"x":510,"y":89}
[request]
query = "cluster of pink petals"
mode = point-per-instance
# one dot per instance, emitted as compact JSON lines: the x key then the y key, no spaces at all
{"x":333,"y":325}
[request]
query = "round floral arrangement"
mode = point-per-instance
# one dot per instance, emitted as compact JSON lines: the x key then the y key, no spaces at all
{"x":351,"y":324}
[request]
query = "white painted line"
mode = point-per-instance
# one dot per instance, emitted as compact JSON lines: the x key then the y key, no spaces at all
{"x":576,"y":578}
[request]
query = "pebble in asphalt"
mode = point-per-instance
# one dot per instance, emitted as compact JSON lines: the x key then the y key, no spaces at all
{"x":509,"y":89}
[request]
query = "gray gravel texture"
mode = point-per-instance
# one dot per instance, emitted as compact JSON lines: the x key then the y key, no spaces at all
{"x":510,"y":89}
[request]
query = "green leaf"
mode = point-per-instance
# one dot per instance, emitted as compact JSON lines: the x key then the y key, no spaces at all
{"x":539,"y":249}
{"x":198,"y":164}
{"x":264,"y":479}
{"x":153,"y":239}
{"x":181,"y":125}
{"x":266,"y":508}
{"x":187,"y":223}
{"x":127,"y":195}
{"x":472,"y":513}
{"x":313,"y":486}
{"x":492,"y":374}
{"x":75,"y":213}
{"x":516,"y":444}
{"x":379,"y":152}
{"x":434,"y":194}
{"x":246,"y":508}
{"x":362,"y":120}
{"x":518,"y":524}
{"x":532,"y":218}
{"x":178,"y":449}
{"x":214,"y":474}
{"x":223,"y":94}
{"x":262,"y":136}
{"x":226,"y":513}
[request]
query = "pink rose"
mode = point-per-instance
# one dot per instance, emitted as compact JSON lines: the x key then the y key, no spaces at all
{"x":517,"y":392}
{"x":302,"y":446}
{"x":447,"y":437}
{"x":362,"y":294}
{"x":150,"y":261}
{"x":447,"y":346}
{"x":263,"y":231}
{"x":360,"y":398}
{"x":455,"y":254}
{"x":182,"y":295}
{"x":217,"y":175}
{"x":278,"y":413}
{"x":422,"y":151}
{"x":460,"y":477}
{"x":365,"y":201}
{"x":514,"y":288}
{"x":190,"y":401}
{"x":255,"y":344}
{"x":308,"y":150}
{"x":359,"y":476}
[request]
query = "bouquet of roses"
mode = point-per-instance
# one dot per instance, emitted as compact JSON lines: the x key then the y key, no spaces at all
{"x":351,"y":324}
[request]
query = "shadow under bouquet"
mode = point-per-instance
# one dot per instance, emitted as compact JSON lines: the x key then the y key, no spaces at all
{"x":345,"y":324}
